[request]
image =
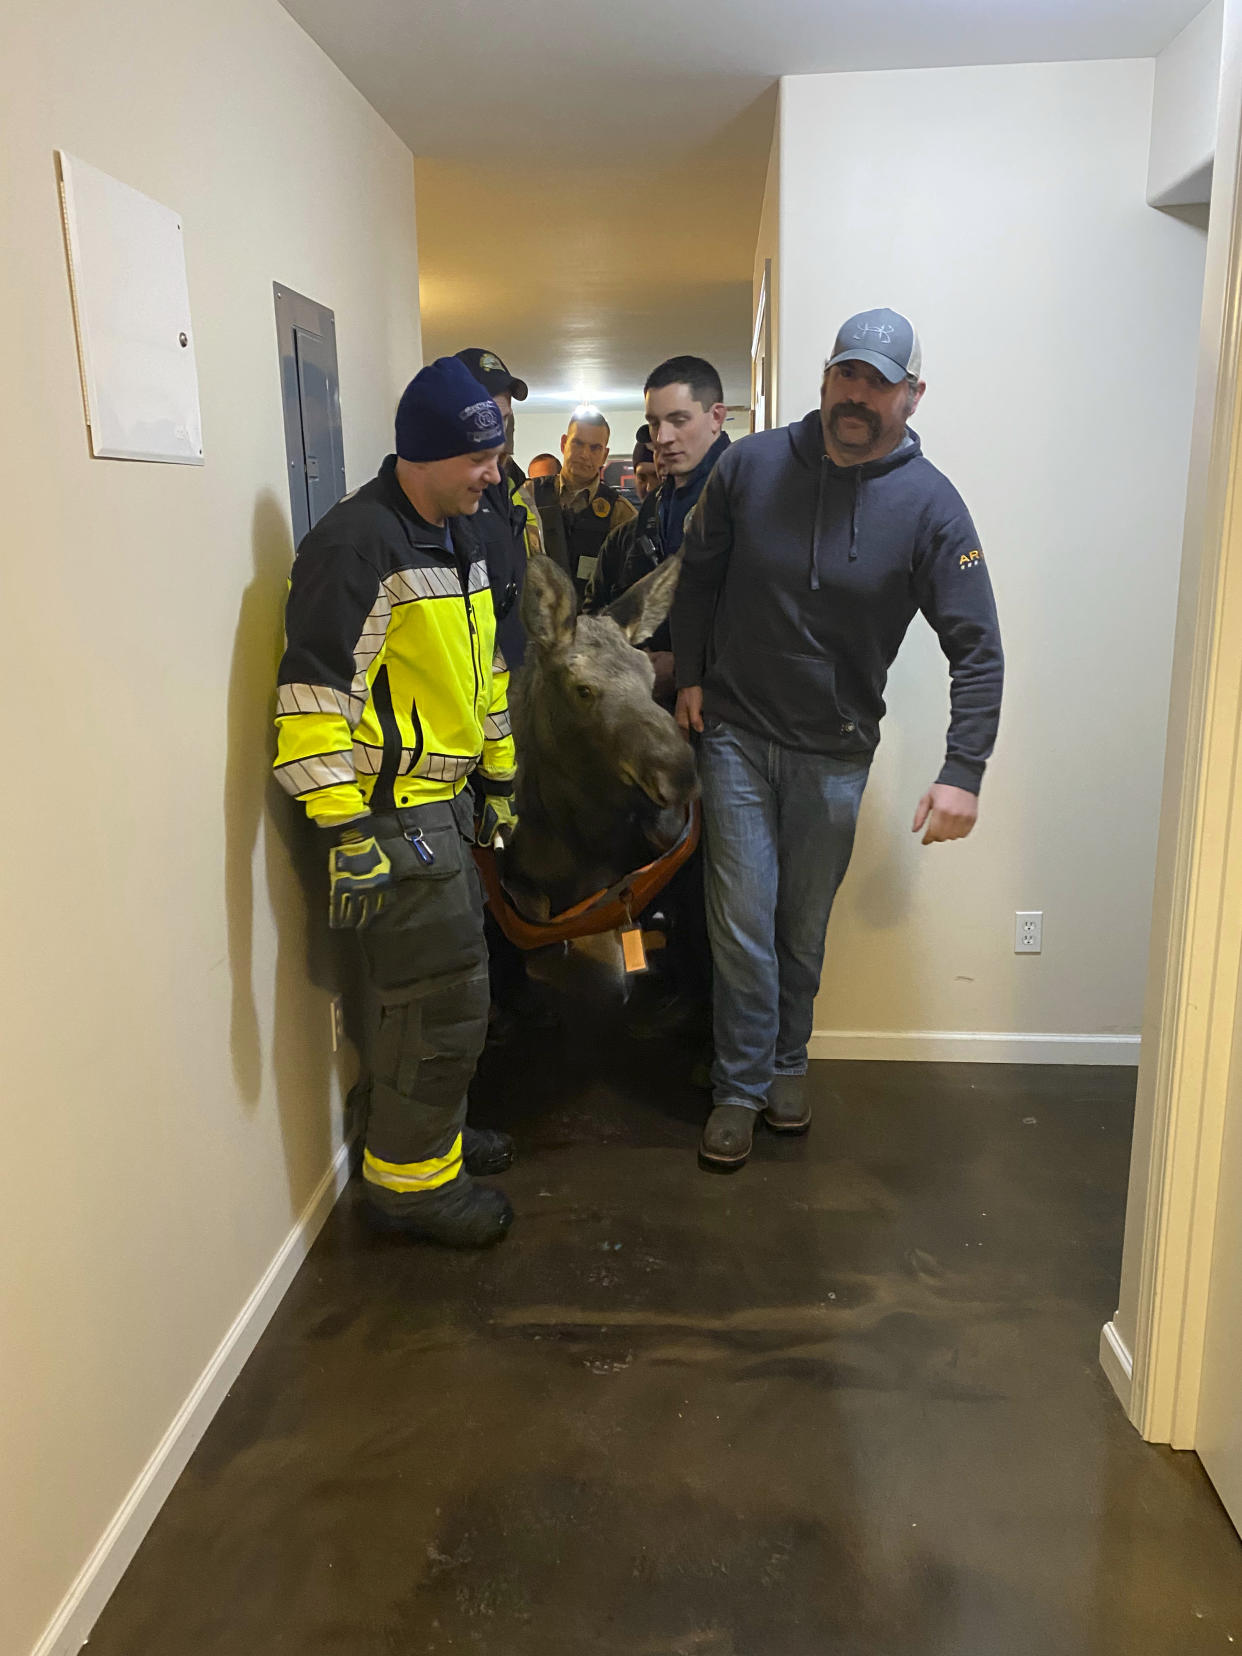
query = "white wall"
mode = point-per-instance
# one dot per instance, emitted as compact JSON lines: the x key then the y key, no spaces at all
{"x":1004,"y":209}
{"x":172,"y":1103}
{"x":1183,"y":123}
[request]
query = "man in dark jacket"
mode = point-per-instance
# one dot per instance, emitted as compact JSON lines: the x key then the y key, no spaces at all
{"x":811,"y":550}
{"x":685,"y":419}
{"x":685,"y":415}
{"x":390,"y":698}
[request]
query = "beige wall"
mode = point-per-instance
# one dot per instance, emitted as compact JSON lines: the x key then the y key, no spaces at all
{"x":171,"y":1099}
{"x":1004,"y":209}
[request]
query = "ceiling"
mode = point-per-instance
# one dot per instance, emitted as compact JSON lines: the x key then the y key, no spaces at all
{"x":589,"y":177}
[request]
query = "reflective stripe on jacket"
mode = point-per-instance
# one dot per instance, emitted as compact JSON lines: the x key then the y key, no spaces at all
{"x":390,"y":690}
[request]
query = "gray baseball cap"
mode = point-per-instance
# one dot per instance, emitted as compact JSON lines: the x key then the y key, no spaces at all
{"x":884,"y":338}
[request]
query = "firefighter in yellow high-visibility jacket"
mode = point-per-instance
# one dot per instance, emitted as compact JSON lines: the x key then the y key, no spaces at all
{"x":390,"y":696}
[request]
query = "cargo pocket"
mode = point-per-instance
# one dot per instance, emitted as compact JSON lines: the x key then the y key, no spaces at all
{"x":399,"y":1046}
{"x":421,"y":842}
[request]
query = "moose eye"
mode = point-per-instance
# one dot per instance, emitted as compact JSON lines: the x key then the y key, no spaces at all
{"x":585,"y":692}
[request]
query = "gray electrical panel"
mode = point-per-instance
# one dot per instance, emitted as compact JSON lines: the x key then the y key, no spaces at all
{"x":310,"y":391}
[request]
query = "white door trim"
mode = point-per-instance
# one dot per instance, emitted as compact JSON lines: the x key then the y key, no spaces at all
{"x":1193,"y":976}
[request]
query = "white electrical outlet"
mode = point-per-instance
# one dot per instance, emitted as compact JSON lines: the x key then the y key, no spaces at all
{"x":1028,"y":932}
{"x":336,"y":1012}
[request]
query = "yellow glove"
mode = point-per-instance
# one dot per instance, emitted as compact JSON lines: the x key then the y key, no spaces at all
{"x":498,"y":818}
{"x":359,"y":877}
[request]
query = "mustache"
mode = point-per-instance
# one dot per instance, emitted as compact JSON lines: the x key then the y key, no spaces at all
{"x":855,"y":411}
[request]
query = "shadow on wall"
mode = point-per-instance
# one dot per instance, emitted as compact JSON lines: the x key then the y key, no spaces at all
{"x":309,"y":960}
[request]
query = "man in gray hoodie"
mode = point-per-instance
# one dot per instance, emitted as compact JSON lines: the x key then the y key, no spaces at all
{"x":811,"y":550}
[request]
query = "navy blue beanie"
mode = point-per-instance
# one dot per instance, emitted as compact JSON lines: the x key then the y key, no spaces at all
{"x":444,"y":411}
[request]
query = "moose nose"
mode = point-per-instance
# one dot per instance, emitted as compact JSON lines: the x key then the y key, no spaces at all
{"x":672,"y":781}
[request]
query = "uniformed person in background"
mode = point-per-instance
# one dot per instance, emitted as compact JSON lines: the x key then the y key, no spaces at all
{"x":509,"y":525}
{"x":646,"y":472}
{"x":390,"y":696}
{"x":576,"y":510}
{"x":543,"y":465}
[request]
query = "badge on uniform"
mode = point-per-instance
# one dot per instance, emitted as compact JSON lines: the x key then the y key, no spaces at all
{"x":601,"y":508}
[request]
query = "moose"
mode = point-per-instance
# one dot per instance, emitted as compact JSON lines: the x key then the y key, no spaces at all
{"x":605,"y":778}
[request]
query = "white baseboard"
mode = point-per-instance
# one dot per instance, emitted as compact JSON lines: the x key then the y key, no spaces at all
{"x":957,"y":1046}
{"x":71,"y":1625}
{"x":1117,"y":1363}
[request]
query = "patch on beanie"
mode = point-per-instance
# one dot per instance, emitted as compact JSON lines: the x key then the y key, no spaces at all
{"x":481,"y":425}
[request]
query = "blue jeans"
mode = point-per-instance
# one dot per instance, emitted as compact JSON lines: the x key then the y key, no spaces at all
{"x":778,"y":829}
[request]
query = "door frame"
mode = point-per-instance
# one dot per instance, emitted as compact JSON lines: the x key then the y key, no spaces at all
{"x":761,"y":353}
{"x":1152,"y":1349}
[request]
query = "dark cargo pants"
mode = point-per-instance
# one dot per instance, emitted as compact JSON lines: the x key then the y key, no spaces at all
{"x":427,"y":962}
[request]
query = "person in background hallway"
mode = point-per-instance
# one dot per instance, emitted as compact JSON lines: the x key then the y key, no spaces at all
{"x":510,"y":531}
{"x":646,"y":474}
{"x":685,"y":420}
{"x":389,"y":698}
{"x":812,"y":548}
{"x":543,"y":465}
{"x":509,"y":527}
{"x":576,"y":510}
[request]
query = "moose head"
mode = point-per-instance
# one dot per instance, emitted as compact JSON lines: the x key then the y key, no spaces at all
{"x":604,"y":775}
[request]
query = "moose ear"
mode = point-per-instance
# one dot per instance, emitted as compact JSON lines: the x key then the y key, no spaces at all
{"x":640,"y":611}
{"x":549,"y":604}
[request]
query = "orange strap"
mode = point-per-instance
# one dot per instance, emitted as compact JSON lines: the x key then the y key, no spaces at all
{"x":607,"y":910}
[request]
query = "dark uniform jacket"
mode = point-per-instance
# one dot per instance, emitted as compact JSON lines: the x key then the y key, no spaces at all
{"x":501,"y":521}
{"x":641,"y":545}
{"x":574,"y":539}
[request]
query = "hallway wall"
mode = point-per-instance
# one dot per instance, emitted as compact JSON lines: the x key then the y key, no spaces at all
{"x":1004,"y":209}
{"x":171,"y":1101}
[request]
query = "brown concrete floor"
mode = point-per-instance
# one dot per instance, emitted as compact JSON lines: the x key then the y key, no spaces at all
{"x":844,"y":1403}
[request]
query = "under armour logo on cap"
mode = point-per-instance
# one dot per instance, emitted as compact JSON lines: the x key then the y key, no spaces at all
{"x":884,"y":338}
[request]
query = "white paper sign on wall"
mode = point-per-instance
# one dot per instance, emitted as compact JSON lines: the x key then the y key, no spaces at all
{"x":131,"y":306}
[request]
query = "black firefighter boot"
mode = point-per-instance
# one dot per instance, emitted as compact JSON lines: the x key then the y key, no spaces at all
{"x":460,"y":1214}
{"x":484,"y":1151}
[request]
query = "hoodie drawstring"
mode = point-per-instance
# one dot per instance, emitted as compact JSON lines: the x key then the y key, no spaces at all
{"x":815,"y":522}
{"x":817,"y":537}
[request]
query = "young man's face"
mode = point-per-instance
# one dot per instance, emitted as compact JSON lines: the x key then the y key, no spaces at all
{"x":544,"y":465}
{"x":458,"y":484}
{"x":584,"y":450}
{"x":682,"y":430}
{"x":861,"y":413}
